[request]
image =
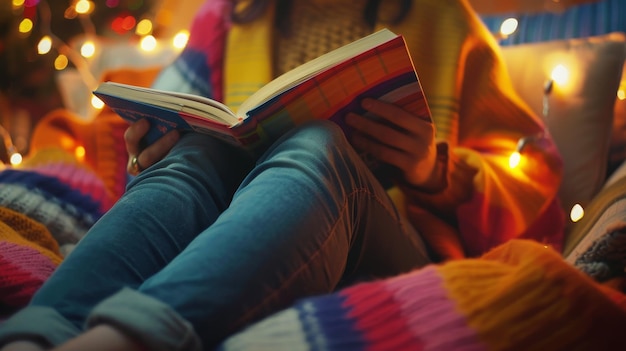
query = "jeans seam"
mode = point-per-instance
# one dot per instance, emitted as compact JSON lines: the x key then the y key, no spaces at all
{"x":317,"y":252}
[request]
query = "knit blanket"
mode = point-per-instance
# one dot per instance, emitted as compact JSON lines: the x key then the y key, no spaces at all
{"x":45,"y":209}
{"x":519,"y":296}
{"x":49,"y":202}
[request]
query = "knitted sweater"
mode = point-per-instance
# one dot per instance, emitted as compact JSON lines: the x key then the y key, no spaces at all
{"x":478,"y":116}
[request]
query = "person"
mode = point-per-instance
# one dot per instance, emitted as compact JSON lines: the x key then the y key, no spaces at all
{"x":208,"y":239}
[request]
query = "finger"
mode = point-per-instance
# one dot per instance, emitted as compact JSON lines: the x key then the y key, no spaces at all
{"x":387,"y":135}
{"x":381,"y":151}
{"x":133,"y":135}
{"x":157,"y":150}
{"x":397,"y":115}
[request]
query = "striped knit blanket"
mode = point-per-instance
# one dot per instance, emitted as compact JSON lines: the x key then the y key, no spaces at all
{"x":519,"y":296}
{"x":50,"y":201}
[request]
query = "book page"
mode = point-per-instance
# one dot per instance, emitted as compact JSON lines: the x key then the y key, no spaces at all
{"x":192,"y":104}
{"x":307,"y":70}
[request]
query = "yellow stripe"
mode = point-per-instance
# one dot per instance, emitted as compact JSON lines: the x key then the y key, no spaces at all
{"x":248,"y":59}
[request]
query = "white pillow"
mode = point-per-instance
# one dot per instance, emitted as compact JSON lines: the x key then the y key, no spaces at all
{"x":580,"y":116}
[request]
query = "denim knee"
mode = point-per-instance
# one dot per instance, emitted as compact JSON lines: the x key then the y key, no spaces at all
{"x":319,"y":138}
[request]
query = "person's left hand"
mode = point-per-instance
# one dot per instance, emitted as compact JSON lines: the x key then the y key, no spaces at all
{"x":139,"y":157}
{"x":399,"y":138}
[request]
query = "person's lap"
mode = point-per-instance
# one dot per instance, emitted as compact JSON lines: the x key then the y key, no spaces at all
{"x":305,"y":217}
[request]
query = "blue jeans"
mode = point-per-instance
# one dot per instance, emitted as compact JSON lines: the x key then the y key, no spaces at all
{"x":206,"y":242}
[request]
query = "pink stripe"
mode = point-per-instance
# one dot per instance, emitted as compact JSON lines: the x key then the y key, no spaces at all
{"x":27,"y":259}
{"x":431,"y":316}
{"x":379,"y":318}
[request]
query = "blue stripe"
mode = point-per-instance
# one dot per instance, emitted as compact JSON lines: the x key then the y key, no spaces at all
{"x":586,"y":20}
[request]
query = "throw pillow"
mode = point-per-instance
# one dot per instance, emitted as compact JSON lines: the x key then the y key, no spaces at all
{"x":580,"y":116}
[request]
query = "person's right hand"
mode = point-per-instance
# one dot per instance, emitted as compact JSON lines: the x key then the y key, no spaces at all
{"x":138,"y":158}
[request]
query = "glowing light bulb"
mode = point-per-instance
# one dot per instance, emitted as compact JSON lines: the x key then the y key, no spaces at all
{"x":508,"y":27}
{"x":621,"y":94}
{"x":80,"y":152}
{"x":148,"y":43}
{"x":144,"y":27}
{"x":45,"y":45}
{"x":560,"y":75}
{"x":88,"y":49}
{"x":577,"y":213}
{"x":26,"y":25}
{"x":18,"y":3}
{"x":83,"y":7}
{"x":61,"y":62}
{"x":180,"y":39}
{"x":97,"y":103}
{"x":16,"y":159}
{"x":514,"y":159}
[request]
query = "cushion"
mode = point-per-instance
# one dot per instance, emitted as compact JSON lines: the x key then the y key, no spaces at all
{"x":617,"y":151}
{"x":580,"y":116}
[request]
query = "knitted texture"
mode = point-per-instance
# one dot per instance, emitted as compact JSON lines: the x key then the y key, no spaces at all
{"x":606,"y":257}
{"x":65,"y":211}
{"x":28,"y":255}
{"x":96,"y":145}
{"x":519,"y":296}
{"x":303,"y":45}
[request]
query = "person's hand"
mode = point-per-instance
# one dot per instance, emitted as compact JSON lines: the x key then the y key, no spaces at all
{"x":398,"y":138}
{"x":140,"y":158}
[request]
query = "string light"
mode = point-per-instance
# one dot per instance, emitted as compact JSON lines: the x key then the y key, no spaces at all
{"x":180,"y":39}
{"x":144,"y":27}
{"x":45,"y":45}
{"x":16,"y":158}
{"x":80,"y":152}
{"x":26,"y":25}
{"x":61,"y":62}
{"x":97,"y":103}
{"x":577,"y":213}
{"x":83,"y":7}
{"x":560,"y":75}
{"x":515,"y":159}
{"x":88,"y":49}
{"x":508,"y":27}
{"x":148,"y":43}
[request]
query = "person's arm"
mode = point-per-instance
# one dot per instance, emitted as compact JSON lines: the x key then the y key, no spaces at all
{"x":479,"y":120}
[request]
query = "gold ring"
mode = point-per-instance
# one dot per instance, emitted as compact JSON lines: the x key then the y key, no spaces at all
{"x":135,"y":166}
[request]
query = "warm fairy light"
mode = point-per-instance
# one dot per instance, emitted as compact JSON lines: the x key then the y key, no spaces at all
{"x":577,"y":213}
{"x":61,"y":62}
{"x":26,"y":26}
{"x":514,"y":159}
{"x":88,"y":49}
{"x":83,"y":7}
{"x":18,"y":3}
{"x":180,"y":39}
{"x":97,"y":103}
{"x":560,"y":75}
{"x":508,"y":27}
{"x":148,"y":43}
{"x":16,"y":159}
{"x":144,"y":27}
{"x":621,"y":93}
{"x":45,"y":45}
{"x":80,"y":152}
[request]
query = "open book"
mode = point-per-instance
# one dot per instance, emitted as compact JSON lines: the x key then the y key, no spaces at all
{"x":328,"y":87}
